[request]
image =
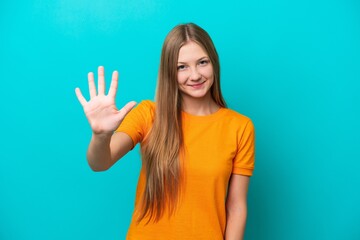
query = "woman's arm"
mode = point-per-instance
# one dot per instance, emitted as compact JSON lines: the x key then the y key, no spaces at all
{"x":236,"y":207}
{"x":105,"y":148}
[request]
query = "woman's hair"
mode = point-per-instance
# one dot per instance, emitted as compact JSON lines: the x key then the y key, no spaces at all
{"x":163,"y":145}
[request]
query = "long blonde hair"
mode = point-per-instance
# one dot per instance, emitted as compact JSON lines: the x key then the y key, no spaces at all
{"x":163,"y":145}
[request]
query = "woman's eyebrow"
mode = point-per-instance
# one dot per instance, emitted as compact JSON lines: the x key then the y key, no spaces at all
{"x":202,"y":58}
{"x":206,"y":57}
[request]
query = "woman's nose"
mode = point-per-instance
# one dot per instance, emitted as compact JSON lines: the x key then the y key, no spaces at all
{"x":195,"y":75}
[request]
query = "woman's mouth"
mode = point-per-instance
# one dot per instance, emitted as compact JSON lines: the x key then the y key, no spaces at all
{"x":198,"y":85}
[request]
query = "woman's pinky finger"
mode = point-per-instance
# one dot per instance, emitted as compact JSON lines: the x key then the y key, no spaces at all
{"x":80,"y":97}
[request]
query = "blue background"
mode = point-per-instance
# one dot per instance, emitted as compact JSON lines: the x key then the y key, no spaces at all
{"x":292,"y":66}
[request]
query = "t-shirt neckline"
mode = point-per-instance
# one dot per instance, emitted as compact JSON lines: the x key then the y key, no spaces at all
{"x":203,"y":117}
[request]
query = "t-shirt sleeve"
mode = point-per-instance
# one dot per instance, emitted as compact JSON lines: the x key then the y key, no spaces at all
{"x":244,"y":160}
{"x":137,"y":122}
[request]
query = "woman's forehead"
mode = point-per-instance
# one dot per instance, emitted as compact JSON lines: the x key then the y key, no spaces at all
{"x":191,"y":51}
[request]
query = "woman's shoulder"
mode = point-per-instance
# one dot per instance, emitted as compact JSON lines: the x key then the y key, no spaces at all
{"x":237,"y":121}
{"x":147,"y":105}
{"x":235,"y":115}
{"x":144,"y":109}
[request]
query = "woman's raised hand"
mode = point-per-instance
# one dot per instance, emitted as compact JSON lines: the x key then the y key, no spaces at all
{"x":100,"y":110}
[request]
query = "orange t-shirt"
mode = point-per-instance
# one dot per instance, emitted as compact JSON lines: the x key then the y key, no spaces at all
{"x":216,"y":146}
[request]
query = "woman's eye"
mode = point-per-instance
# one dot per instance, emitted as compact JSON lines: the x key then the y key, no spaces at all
{"x":181,"y":67}
{"x":204,"y":62}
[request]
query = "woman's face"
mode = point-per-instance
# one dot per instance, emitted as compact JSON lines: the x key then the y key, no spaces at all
{"x":195,"y":72}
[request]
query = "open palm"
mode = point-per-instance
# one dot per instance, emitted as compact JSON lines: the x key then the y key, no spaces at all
{"x":101,"y":111}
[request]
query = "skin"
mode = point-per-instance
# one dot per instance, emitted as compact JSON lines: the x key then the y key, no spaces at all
{"x":195,"y":78}
{"x":236,"y":207}
{"x":105,"y":147}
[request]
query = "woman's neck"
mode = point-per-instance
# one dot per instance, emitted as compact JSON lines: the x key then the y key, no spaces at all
{"x":199,"y":107}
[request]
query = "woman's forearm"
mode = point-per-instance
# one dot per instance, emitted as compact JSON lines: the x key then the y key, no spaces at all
{"x":235,"y":224}
{"x":99,"y":154}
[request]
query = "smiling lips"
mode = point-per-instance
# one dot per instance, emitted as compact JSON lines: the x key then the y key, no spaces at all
{"x":199,"y":85}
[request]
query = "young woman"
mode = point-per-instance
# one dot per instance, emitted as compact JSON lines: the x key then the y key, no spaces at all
{"x":197,"y":155}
